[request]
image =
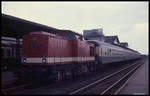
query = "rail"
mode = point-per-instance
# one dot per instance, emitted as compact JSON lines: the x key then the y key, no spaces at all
{"x":8,"y":90}
{"x":79,"y":91}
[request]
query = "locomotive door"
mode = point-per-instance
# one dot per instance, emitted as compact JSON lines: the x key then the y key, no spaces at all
{"x":92,"y":51}
{"x":56,"y":53}
{"x":98,"y":55}
{"x":74,"y":50}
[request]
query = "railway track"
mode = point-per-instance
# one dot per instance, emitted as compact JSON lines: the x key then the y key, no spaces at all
{"x":109,"y":84}
{"x":11,"y":88}
{"x":16,"y":88}
{"x":84,"y":90}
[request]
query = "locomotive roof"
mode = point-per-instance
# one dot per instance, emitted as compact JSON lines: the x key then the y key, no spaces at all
{"x":16,"y":27}
{"x":42,"y":32}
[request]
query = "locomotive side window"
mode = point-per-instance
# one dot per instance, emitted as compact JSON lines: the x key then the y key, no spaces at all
{"x":34,"y":46}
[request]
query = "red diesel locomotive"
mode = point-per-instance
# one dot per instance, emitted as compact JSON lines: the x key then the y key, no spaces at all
{"x":47,"y":56}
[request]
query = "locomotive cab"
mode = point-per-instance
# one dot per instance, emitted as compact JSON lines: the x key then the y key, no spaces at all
{"x":34,"y":48}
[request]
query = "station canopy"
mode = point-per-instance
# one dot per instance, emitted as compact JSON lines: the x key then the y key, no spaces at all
{"x":16,"y":27}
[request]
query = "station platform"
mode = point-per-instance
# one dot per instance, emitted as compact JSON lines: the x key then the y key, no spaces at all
{"x":138,"y":82}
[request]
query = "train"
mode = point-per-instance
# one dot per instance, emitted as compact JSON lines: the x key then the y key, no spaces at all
{"x":46,"y":56}
{"x":9,"y":51}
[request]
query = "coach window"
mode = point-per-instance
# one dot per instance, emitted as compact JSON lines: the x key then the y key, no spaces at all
{"x":3,"y":52}
{"x":8,"y":53}
{"x":113,"y":51}
{"x":100,"y":51}
{"x":105,"y":53}
{"x":14,"y":52}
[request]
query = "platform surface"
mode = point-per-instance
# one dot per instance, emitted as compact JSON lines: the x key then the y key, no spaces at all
{"x":7,"y":76}
{"x":138,"y":82}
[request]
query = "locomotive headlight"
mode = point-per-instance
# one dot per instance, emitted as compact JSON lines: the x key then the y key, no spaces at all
{"x":24,"y":60}
{"x":44,"y":60}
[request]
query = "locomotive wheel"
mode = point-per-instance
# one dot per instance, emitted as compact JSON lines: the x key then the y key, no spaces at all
{"x":58,"y":76}
{"x":74,"y":73}
{"x":91,"y":67}
{"x":63,"y":73}
{"x":84,"y":68}
{"x":69,"y":74}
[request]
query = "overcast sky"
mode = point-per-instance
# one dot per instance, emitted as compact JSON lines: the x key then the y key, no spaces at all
{"x":128,"y":20}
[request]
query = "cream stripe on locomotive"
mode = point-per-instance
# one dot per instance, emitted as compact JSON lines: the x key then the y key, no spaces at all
{"x":57,"y":59}
{"x":34,"y":60}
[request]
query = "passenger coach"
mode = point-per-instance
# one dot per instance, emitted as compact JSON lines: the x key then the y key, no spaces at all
{"x":109,"y":53}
